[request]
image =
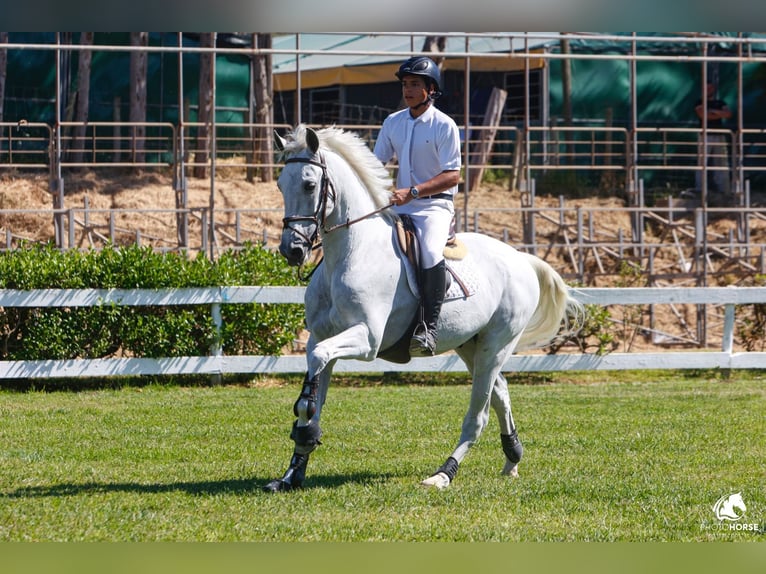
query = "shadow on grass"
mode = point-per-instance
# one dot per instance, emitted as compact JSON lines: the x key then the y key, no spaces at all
{"x":201,"y":488}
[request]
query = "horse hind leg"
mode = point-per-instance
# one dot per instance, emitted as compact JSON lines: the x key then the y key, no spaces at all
{"x":444,"y":475}
{"x":483,"y":369}
{"x":509,"y":436}
{"x":513,"y":450}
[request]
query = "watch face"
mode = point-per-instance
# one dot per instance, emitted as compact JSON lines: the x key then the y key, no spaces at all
{"x":414,"y":191}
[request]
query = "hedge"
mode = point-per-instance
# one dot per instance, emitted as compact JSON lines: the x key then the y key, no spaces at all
{"x":111,"y":330}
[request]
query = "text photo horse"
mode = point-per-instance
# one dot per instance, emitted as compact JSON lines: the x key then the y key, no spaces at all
{"x":360,"y":302}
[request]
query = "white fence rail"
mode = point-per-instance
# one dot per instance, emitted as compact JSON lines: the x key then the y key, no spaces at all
{"x":219,"y":364}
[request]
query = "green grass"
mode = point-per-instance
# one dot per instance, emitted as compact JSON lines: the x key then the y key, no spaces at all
{"x":640,"y":459}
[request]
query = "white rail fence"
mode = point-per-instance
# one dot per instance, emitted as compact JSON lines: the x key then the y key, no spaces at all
{"x":219,"y":363}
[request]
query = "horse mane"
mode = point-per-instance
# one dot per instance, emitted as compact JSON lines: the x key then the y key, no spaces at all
{"x":352,"y":148}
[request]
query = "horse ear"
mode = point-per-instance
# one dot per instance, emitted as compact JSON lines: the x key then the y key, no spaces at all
{"x":312,"y":139}
{"x":279,"y":141}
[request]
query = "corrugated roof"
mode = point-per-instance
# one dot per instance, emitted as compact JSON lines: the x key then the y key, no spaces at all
{"x":367,"y":58}
{"x":396,"y":47}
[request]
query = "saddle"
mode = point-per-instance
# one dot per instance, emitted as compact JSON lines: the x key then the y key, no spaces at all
{"x":454,"y":250}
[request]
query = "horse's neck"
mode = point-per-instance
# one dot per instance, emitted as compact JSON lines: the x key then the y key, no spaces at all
{"x":352,"y":198}
{"x":361,"y":240}
{"x":359,"y":234}
{"x":358,"y":229}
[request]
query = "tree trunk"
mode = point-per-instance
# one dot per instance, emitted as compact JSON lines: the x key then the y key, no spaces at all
{"x":138,"y":71}
{"x":204,"y":112}
{"x":264,"y":109}
{"x":83,"y":96}
{"x":435,"y":44}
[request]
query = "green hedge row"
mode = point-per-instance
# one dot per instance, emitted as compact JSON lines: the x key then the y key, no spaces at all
{"x":111,"y":330}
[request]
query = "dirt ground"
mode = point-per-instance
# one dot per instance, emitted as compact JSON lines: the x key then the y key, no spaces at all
{"x":146,"y":199}
{"x":153,"y":190}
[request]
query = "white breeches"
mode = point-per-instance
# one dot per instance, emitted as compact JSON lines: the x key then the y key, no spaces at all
{"x":432,"y":219}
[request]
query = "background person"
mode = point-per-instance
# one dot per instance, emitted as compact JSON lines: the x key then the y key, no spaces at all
{"x":718,"y":180}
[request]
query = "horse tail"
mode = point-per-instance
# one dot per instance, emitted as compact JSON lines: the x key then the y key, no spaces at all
{"x":558,"y":315}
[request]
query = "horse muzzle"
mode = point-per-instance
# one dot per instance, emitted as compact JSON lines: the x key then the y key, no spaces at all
{"x":294,"y":248}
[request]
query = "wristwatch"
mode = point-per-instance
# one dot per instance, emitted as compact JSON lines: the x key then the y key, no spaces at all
{"x":414,"y":192}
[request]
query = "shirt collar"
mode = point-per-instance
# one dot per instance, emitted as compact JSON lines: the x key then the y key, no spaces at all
{"x":424,"y":116}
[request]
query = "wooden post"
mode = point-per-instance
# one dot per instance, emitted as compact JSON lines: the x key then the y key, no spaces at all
{"x":138,"y":72}
{"x":492,"y":117}
{"x":517,"y":162}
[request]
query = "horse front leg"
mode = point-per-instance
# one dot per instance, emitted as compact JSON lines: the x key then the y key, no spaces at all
{"x":306,"y":432}
{"x":353,"y":343}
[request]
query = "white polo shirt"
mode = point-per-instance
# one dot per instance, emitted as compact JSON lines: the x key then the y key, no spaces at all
{"x":424,"y":146}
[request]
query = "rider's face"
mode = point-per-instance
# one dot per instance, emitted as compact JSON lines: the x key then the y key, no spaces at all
{"x":414,"y":90}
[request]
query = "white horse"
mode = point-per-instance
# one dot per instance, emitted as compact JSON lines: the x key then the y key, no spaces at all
{"x":361,"y":299}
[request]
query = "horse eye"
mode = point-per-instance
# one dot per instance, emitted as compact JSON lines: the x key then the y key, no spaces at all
{"x":309,"y":185}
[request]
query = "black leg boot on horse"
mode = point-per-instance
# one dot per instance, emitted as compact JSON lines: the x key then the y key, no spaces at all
{"x":432,"y":286}
{"x":306,"y":438}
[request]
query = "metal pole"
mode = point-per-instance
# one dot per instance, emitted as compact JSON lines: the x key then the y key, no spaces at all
{"x":298,"y":103}
{"x":57,"y":183}
{"x":466,"y":143}
{"x":182,"y":199}
{"x":527,"y":146}
{"x":740,"y":145}
{"x":703,"y":181}
{"x":213,"y":148}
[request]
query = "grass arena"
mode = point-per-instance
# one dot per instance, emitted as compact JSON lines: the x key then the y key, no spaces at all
{"x":629,"y":456}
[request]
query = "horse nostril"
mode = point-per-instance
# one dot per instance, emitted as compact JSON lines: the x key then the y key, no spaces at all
{"x":293,"y":255}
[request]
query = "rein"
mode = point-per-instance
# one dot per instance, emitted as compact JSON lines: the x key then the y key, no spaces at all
{"x":350,"y":222}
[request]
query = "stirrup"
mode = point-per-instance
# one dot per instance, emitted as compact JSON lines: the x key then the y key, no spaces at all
{"x":423,"y":343}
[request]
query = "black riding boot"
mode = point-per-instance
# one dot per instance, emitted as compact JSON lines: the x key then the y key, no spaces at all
{"x":423,"y":343}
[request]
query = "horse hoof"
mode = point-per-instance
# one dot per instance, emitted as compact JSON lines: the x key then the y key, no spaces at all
{"x":439,"y":480}
{"x":511,"y":469}
{"x":279,"y":485}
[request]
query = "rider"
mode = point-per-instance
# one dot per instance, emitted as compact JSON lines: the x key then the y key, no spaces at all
{"x":426,"y":143}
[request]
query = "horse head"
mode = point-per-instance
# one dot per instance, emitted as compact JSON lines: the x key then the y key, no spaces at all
{"x":330,"y":181}
{"x":305,"y":189}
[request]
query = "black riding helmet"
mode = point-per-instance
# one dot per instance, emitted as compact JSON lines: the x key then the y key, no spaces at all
{"x":424,"y":67}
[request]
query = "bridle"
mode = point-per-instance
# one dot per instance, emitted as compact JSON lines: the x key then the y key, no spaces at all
{"x":326,"y":190}
{"x":319,"y":217}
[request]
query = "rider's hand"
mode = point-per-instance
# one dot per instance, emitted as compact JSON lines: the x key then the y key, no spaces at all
{"x":401,"y":196}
